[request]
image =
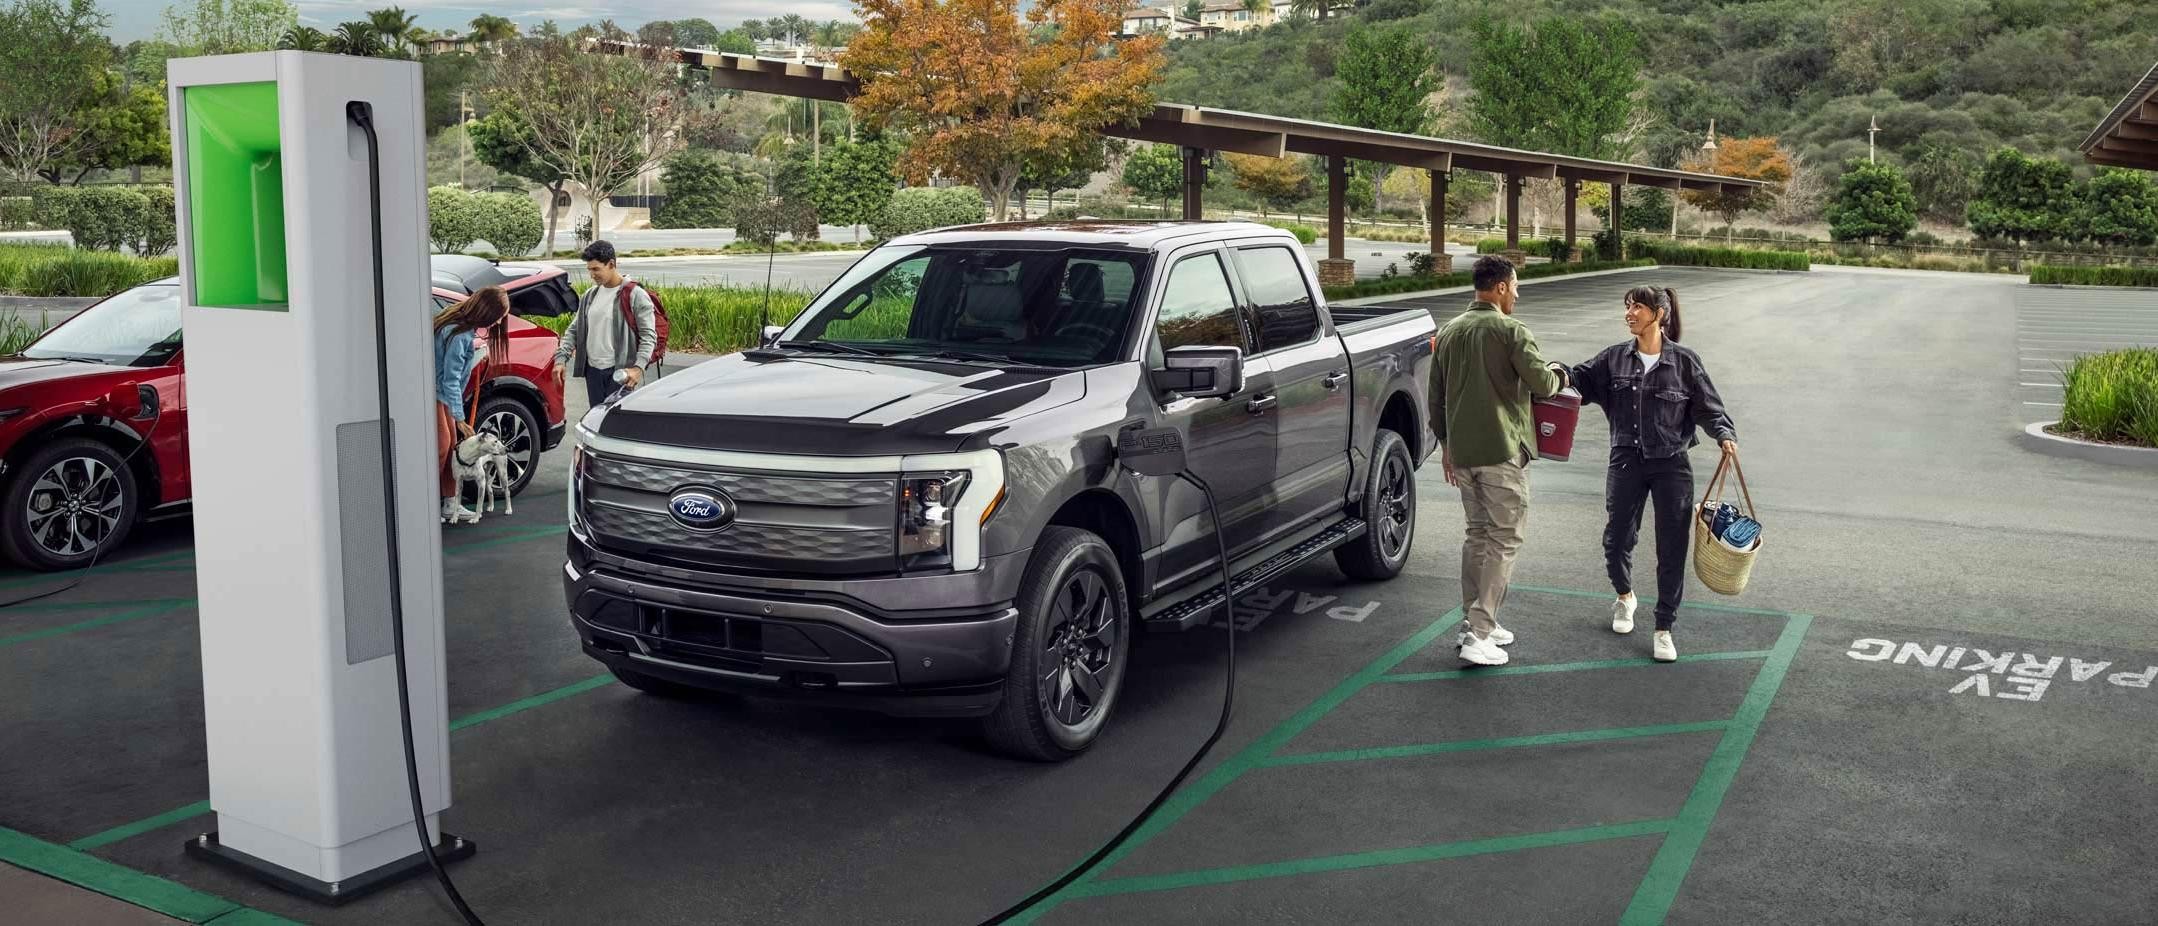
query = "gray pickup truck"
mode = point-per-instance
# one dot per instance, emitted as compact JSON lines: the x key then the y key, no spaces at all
{"x":909,"y":498}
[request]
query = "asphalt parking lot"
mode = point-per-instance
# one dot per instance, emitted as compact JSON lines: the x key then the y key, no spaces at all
{"x":1934,"y":704}
{"x":2055,"y":324}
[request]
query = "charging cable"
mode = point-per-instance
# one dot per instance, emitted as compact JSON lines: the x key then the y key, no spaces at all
{"x":363,"y":115}
{"x":123,"y":471}
{"x":1158,"y":452}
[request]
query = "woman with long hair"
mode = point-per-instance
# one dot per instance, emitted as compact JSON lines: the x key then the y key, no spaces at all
{"x":1655,"y":392}
{"x":487,"y":310}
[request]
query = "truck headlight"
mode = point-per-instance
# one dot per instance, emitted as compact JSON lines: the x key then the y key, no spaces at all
{"x":925,"y":518}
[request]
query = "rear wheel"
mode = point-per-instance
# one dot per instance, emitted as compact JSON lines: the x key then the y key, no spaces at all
{"x":1069,"y":651}
{"x":1389,"y":514}
{"x":70,"y":500}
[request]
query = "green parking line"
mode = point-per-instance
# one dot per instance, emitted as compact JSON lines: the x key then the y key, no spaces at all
{"x":180,"y":814}
{"x":1506,"y":742}
{"x":106,"y":621}
{"x":1659,"y":888}
{"x":1566,"y":667}
{"x":1650,"y":599}
{"x":1431,"y":853}
{"x":125,"y":884}
{"x":1253,"y":755}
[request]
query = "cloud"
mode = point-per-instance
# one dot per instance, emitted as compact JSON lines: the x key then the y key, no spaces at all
{"x":140,"y":19}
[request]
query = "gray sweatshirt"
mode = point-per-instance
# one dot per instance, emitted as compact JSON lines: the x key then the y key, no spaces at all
{"x":630,"y":351}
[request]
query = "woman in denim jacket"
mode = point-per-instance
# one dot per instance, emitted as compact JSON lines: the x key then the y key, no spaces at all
{"x":454,"y":329}
{"x":1655,"y":393}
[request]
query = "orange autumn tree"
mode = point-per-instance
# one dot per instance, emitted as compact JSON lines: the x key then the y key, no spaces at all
{"x":983,"y":92}
{"x":1746,"y":158}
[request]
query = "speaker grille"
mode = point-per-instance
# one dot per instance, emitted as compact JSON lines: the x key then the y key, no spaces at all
{"x":364,"y":537}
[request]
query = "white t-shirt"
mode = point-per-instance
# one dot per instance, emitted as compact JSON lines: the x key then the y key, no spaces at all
{"x":1648,"y":361}
{"x":599,"y":321}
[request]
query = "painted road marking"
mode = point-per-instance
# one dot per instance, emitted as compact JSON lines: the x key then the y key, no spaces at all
{"x":2006,"y":675}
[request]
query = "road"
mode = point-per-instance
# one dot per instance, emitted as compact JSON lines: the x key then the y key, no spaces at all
{"x":1926,"y":708}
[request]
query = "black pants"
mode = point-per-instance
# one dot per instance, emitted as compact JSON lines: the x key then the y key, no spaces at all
{"x":598,"y":385}
{"x":1630,"y":483}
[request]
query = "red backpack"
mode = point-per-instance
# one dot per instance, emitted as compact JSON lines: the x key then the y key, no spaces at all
{"x":659,"y":317}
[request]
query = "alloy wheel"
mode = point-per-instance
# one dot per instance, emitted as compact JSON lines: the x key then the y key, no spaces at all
{"x":74,"y":506}
{"x":523,"y":445}
{"x":1080,"y":652}
{"x":1393,"y":507}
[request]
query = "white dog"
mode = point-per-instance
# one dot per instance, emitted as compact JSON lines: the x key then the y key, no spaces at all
{"x":484,"y":461}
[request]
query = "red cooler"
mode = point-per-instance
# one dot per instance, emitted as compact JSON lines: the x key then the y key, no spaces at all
{"x":1555,"y":418}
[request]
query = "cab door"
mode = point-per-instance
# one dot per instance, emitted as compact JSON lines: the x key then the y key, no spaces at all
{"x":1310,"y":385}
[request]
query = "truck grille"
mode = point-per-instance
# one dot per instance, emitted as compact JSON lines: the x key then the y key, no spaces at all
{"x":782,"y":523}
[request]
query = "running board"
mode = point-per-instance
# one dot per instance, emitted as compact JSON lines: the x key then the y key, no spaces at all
{"x":1187,"y":614}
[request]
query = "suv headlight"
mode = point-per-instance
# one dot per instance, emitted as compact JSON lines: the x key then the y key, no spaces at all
{"x":925,"y":518}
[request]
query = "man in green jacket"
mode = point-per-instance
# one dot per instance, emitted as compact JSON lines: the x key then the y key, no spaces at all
{"x":1488,"y":373}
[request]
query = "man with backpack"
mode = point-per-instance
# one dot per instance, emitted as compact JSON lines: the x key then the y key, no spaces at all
{"x":618,"y":331}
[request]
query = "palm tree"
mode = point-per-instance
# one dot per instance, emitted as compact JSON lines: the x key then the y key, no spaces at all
{"x":359,"y":38}
{"x":1317,"y":9}
{"x":303,"y":38}
{"x":489,"y":29}
{"x":795,"y":26}
{"x":394,"y":25}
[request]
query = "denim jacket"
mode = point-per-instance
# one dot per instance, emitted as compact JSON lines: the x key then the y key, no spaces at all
{"x":1657,"y":413}
{"x":453,"y":364}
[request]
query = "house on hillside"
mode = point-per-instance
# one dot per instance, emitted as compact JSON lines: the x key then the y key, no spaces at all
{"x":1152,"y":21}
{"x":1236,"y":16}
{"x":447,"y":43}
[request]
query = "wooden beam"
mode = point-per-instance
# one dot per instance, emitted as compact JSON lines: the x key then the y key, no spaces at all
{"x":1663,"y":183}
{"x":1513,"y":211}
{"x":2141,"y":131}
{"x":2128,"y":147}
{"x":1194,"y":184}
{"x":1212,"y":138}
{"x":1573,"y":196}
{"x":1439,"y":180}
{"x":1385,"y":154}
{"x":1337,"y":191}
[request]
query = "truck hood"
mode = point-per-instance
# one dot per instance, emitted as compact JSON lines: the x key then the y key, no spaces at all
{"x":834,"y":406}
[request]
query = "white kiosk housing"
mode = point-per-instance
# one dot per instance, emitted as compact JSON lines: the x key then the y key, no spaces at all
{"x":277,"y":269}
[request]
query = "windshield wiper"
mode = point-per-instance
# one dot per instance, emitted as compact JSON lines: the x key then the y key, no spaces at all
{"x":828,"y":346}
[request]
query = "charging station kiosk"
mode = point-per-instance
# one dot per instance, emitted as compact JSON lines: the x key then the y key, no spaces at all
{"x":279,"y":191}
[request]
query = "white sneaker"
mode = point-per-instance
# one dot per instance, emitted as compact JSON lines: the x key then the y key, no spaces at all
{"x":454,"y":511}
{"x":1502,"y":636}
{"x":1666,"y":651}
{"x":1481,"y":651}
{"x":1622,"y":614}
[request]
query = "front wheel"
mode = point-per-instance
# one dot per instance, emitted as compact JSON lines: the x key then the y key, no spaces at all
{"x":520,"y":433}
{"x":1389,"y":515}
{"x":70,"y":500}
{"x":1068,"y":652}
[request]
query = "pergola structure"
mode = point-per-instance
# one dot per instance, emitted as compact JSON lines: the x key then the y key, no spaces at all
{"x":1200,"y":131}
{"x":2128,"y":136}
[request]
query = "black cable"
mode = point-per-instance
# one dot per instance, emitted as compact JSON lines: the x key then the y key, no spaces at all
{"x":362,"y":115}
{"x":1228,"y":701}
{"x":97,"y":551}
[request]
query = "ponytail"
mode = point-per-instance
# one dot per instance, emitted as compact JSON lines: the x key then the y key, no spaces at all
{"x":1664,"y":300}
{"x":1670,"y":314}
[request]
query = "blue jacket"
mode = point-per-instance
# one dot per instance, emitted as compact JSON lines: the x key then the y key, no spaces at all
{"x":453,"y":363}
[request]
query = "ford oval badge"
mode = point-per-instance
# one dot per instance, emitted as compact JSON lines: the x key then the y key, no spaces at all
{"x":701,"y":509}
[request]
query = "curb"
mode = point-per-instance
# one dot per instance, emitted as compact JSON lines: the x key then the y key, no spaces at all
{"x":50,"y":310}
{"x":2035,"y":439}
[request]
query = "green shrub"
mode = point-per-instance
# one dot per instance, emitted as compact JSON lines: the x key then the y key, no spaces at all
{"x":2112,"y":396}
{"x":16,"y":333}
{"x":509,"y":221}
{"x":17,"y":212}
{"x":701,"y":190}
{"x":1679,"y":255}
{"x":1534,"y":247}
{"x":2095,"y":276}
{"x":111,"y":218}
{"x":76,"y":272}
{"x":454,"y":219}
{"x":1410,"y":284}
{"x":160,"y":231}
{"x":917,"y":209}
{"x":1305,"y":234}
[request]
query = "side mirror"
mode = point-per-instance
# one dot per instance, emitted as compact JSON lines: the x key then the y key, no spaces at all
{"x":772,"y":333}
{"x":1201,"y":372}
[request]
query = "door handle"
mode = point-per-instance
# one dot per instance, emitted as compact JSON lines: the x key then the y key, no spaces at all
{"x":1259,"y":405}
{"x":1333,"y":380}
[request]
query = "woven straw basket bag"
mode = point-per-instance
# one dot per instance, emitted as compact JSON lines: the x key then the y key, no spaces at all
{"x":1724,"y":570}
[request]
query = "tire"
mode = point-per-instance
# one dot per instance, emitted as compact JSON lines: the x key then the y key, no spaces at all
{"x":520,"y":429}
{"x":1074,"y":633}
{"x":40,"y":534}
{"x":1389,"y":512}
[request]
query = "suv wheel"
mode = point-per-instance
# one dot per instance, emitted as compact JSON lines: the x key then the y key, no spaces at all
{"x":69,"y":500}
{"x":520,"y":433}
{"x":1389,"y":514}
{"x":1069,"y":651}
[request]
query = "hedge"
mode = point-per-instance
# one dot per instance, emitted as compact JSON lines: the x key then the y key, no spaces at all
{"x":1679,"y":255}
{"x":17,"y":212}
{"x":511,"y":222}
{"x":917,"y":209}
{"x":2112,"y":397}
{"x":1304,"y":233}
{"x":1411,"y":284}
{"x":58,"y":270}
{"x":112,"y":218}
{"x":2095,"y":276}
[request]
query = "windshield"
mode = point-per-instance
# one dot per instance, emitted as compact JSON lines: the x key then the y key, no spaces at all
{"x":1059,"y":308}
{"x":137,"y":328}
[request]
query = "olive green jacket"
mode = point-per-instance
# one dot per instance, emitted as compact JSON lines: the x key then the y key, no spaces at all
{"x":1487,"y":372}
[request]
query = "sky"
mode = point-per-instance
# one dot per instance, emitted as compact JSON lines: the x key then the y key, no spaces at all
{"x":139,"y":19}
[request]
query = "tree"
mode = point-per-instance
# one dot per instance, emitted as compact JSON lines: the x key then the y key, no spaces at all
{"x":734,"y":42}
{"x":1073,"y":169}
{"x":303,"y":38}
{"x":1193,"y":9}
{"x":395,"y":26}
{"x":998,"y":96}
{"x":2021,"y":199}
{"x":600,"y":120}
{"x":696,"y":33}
{"x":661,"y":34}
{"x":2118,"y":208}
{"x":1747,"y":159}
{"x":490,"y":30}
{"x":119,"y":127}
{"x":359,"y":39}
{"x":222,"y":27}
{"x":1387,"y":77}
{"x":1314,"y":9}
{"x":1562,"y":85}
{"x":501,"y":141}
{"x":53,"y":57}
{"x":1943,"y":179}
{"x":702,"y":189}
{"x":856,"y":181}
{"x":1647,"y":208}
{"x":1277,"y":182}
{"x":1155,"y":172}
{"x":1873,"y":202}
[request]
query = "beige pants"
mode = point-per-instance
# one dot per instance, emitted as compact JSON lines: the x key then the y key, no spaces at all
{"x":1496,"y":499}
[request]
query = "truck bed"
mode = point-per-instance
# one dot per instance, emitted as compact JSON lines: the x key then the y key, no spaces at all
{"x":1349,"y":319}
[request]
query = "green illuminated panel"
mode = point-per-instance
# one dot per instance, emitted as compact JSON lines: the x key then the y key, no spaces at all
{"x":236,"y":195}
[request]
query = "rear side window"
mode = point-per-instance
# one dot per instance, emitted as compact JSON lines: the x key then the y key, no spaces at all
{"x":1198,"y":308}
{"x":1287,"y":315}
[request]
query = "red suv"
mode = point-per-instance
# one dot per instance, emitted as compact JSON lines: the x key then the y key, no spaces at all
{"x":74,"y":408}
